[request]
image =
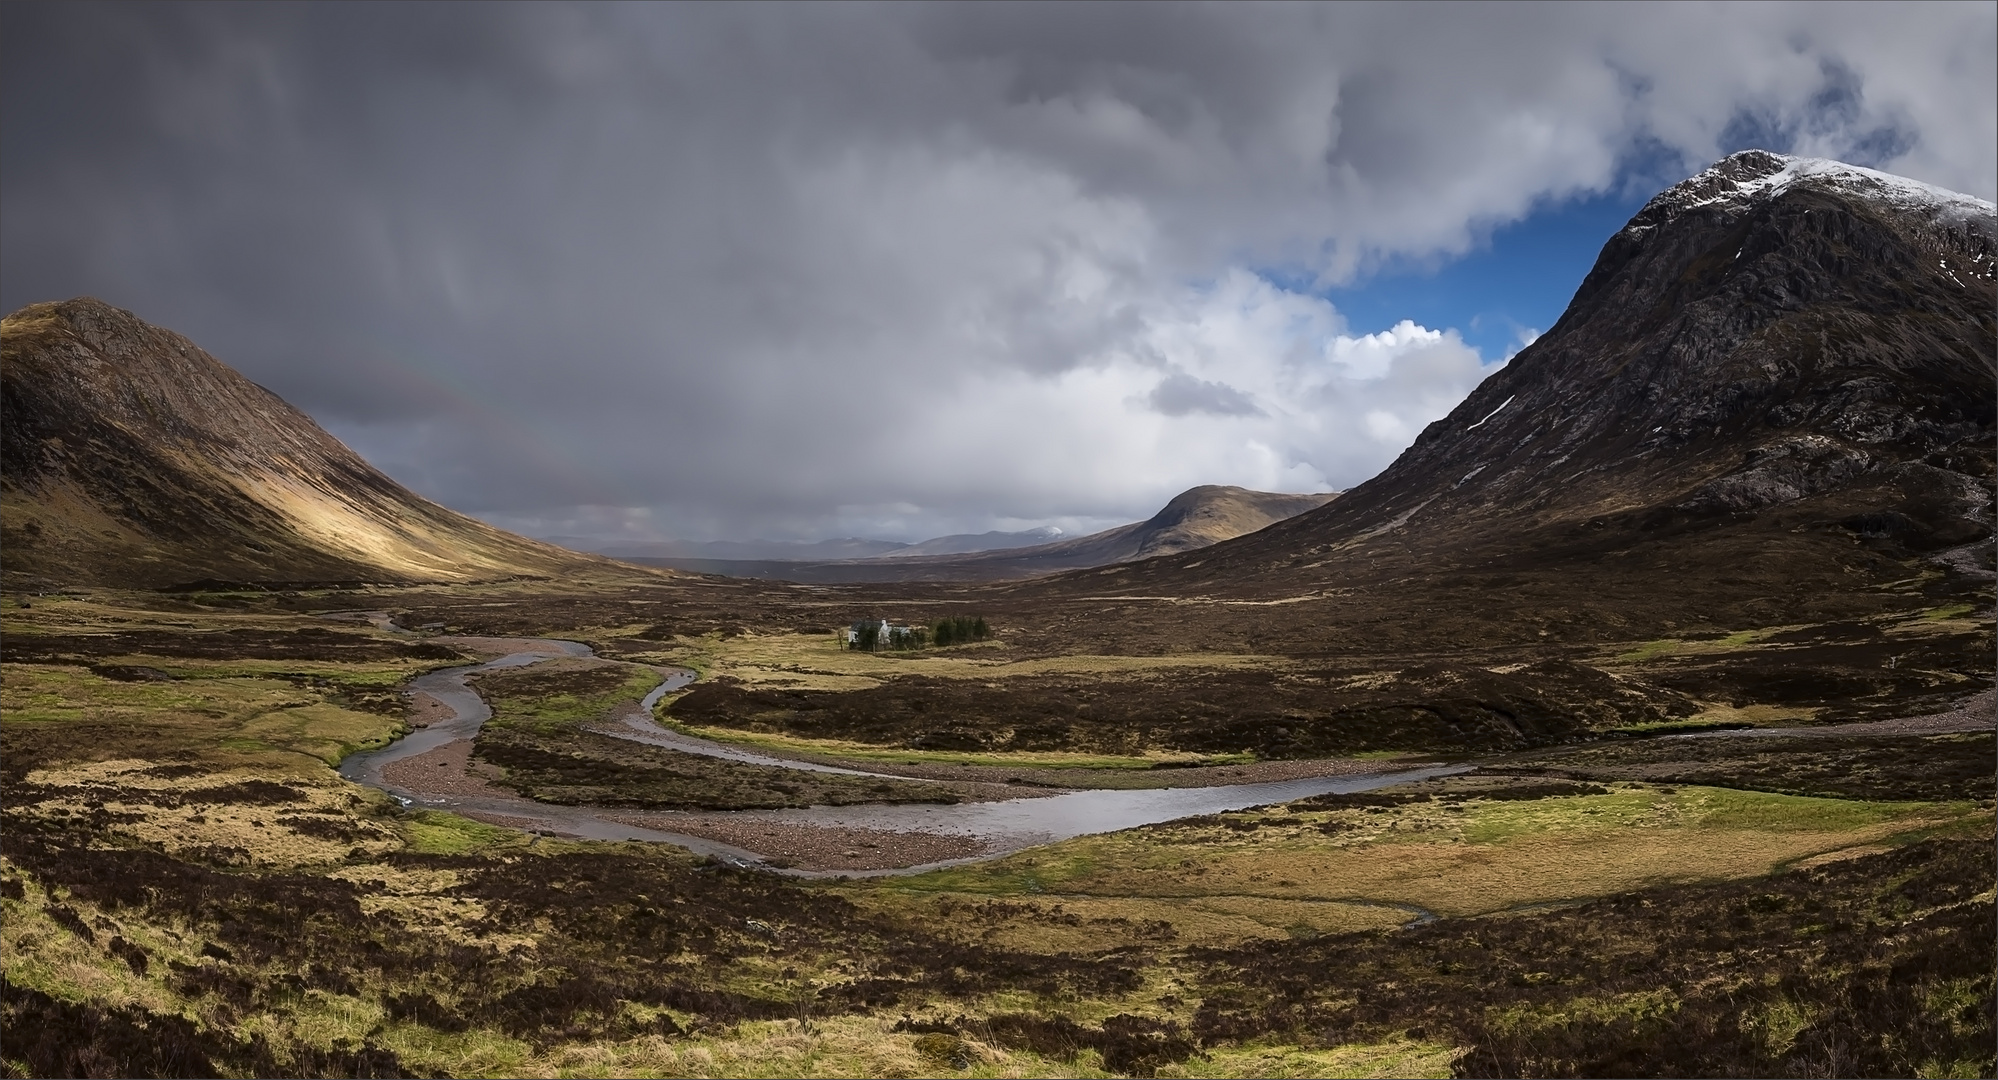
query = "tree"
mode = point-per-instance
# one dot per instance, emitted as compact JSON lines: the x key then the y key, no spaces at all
{"x":958,"y":629}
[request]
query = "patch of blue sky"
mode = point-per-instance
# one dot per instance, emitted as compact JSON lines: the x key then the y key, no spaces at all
{"x":1515,"y":283}
{"x":1517,"y":280}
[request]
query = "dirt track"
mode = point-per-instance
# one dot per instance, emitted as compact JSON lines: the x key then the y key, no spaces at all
{"x":1977,"y":714}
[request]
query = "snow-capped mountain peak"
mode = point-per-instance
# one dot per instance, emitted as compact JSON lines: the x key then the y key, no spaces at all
{"x":1753,"y":176}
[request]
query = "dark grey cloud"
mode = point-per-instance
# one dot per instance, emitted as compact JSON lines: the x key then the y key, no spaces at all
{"x":1179,"y":394}
{"x":898,"y":269}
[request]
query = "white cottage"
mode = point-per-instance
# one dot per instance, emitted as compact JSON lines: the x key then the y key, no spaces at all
{"x":884,"y":631}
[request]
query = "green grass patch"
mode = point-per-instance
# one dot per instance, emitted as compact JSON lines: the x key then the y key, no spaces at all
{"x":36,"y":693}
{"x":435,"y":832}
{"x":327,"y":732}
{"x":1652,"y":650}
{"x":1501,"y":822}
{"x":1030,"y":873}
{"x":236,"y":714}
{"x":550,"y":703}
{"x":1730,"y":809}
{"x":1663,"y":647}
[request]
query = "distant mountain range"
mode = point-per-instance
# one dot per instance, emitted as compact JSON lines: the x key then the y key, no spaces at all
{"x":806,"y":550}
{"x":1194,"y":519}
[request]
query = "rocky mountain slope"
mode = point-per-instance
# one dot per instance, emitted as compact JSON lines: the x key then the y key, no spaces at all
{"x":1778,"y":379}
{"x":1194,"y":519}
{"x":130,"y":457}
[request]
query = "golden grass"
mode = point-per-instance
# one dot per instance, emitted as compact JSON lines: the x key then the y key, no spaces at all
{"x":179,"y":816}
{"x":1393,"y":1059}
{"x":419,"y":898}
{"x":1081,"y":924}
{"x":1756,"y":715}
{"x":843,"y":1046}
{"x":816,"y":662}
{"x":41,"y":955}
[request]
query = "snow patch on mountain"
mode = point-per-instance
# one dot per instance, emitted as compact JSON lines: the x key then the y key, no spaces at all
{"x":1753,"y":176}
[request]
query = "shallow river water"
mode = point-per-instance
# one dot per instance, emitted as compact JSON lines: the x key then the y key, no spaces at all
{"x":1004,"y":826}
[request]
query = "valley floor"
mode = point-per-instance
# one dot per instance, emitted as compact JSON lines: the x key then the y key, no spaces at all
{"x":189,"y":888}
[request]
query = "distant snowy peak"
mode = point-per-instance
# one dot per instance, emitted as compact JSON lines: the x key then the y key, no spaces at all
{"x":1752,"y":177}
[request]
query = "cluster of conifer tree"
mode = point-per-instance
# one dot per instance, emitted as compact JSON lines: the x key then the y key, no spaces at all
{"x":958,"y":629}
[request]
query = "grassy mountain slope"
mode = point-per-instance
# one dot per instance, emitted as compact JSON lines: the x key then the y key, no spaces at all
{"x":131,"y":457}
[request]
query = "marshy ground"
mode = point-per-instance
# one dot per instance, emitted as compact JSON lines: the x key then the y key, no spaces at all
{"x":188,"y":886}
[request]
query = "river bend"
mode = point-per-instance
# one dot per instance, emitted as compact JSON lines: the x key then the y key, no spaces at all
{"x":999,"y":827}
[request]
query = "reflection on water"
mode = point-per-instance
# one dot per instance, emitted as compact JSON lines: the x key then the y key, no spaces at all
{"x":469,"y":712}
{"x":1018,"y":823}
{"x":1006,"y":826}
{"x":641,"y":728}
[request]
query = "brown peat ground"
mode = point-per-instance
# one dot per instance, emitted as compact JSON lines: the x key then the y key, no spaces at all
{"x":187,"y":879}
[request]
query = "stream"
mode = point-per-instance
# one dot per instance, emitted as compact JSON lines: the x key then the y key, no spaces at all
{"x":1004,"y":826}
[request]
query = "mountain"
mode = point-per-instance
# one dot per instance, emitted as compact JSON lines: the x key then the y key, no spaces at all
{"x":1194,"y":519}
{"x":968,"y":543}
{"x":803,"y":550}
{"x":131,"y":458}
{"x":1774,"y":389}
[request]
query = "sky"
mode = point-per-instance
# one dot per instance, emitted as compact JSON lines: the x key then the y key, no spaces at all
{"x":902,"y":270}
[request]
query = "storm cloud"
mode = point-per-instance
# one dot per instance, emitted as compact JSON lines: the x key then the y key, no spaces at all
{"x":894,"y":270}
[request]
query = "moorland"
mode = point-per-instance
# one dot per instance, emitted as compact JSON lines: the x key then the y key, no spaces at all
{"x":191,"y":886}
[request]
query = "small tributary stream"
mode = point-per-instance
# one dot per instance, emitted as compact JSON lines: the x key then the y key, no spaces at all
{"x":1004,"y":826}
